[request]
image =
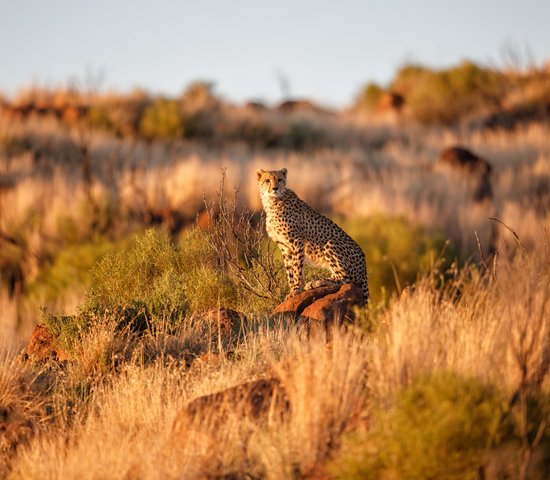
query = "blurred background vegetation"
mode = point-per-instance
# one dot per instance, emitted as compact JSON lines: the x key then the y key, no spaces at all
{"x":83,"y":171}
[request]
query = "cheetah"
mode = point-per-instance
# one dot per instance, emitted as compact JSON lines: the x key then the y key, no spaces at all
{"x":300,"y":232}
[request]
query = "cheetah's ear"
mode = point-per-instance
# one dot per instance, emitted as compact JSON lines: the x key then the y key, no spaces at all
{"x":259,"y":173}
{"x":283,"y":171}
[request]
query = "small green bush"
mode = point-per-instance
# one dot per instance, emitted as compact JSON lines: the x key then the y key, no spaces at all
{"x":207,"y":286}
{"x":162,"y":120}
{"x":446,"y":96}
{"x":70,"y":270}
{"x":152,"y":282}
{"x":370,"y":96}
{"x":440,"y":427}
{"x":409,"y":77}
{"x":67,"y":329}
{"x":98,"y":117}
{"x":301,"y":135}
{"x":14,"y":145}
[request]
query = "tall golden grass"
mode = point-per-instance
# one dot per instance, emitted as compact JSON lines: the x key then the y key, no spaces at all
{"x":494,"y":327}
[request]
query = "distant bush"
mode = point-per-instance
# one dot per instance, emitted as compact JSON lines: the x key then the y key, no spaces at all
{"x":162,"y":120}
{"x":397,"y":251}
{"x":14,"y":145}
{"x":70,"y":270}
{"x":439,"y":427}
{"x":202,"y":110}
{"x":409,"y":77}
{"x":98,"y":117}
{"x":445,"y":96}
{"x":125,"y":113}
{"x":302,"y":134}
{"x":370,"y":96}
{"x":198,"y":95}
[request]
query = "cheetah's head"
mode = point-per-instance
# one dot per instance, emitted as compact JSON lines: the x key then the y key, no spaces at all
{"x":272,"y":183}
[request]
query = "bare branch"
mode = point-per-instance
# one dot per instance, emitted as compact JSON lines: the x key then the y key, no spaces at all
{"x":241,"y":247}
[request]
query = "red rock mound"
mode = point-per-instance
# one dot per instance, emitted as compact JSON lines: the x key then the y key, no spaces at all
{"x":15,"y":430}
{"x":43,"y":346}
{"x":255,"y":400}
{"x":323,"y":306}
{"x":222,"y":328}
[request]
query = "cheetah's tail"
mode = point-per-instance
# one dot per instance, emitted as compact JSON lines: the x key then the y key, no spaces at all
{"x":365,"y":290}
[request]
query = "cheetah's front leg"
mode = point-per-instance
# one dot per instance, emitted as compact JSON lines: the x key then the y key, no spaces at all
{"x":293,"y":257}
{"x":339,"y":275}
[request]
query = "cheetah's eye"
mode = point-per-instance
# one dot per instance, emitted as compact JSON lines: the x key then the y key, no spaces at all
{"x":266,"y":182}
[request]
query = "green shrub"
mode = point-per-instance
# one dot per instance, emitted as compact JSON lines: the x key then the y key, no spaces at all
{"x":162,"y":120}
{"x":98,"y":117}
{"x":397,"y":252}
{"x":207,"y":286}
{"x":150,"y":282}
{"x":302,"y":134}
{"x":409,"y":77}
{"x":70,"y":270}
{"x":14,"y":145}
{"x":370,"y":96}
{"x":440,"y":427}
{"x":446,"y":96}
{"x":149,"y":279}
{"x":67,"y":329}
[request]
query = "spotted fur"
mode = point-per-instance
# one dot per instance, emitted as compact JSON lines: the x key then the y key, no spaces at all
{"x":301,"y":232}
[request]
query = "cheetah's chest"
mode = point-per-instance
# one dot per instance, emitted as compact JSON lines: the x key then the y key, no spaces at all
{"x":277,"y":230}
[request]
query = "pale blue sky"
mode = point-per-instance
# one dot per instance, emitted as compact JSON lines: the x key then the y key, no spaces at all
{"x":326,"y":49}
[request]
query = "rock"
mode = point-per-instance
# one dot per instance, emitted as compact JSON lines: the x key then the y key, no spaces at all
{"x":15,"y":430}
{"x":323,"y":306}
{"x":296,"y":304}
{"x":468,"y":164}
{"x":334,"y":308}
{"x":221,"y":327}
{"x":43,"y":346}
{"x":224,"y":320}
{"x":206,"y":420}
{"x":255,"y":400}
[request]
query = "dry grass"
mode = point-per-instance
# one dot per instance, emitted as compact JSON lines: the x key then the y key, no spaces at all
{"x":128,"y":430}
{"x":494,"y":330}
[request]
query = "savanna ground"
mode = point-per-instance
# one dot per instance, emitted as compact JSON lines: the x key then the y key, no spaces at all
{"x":119,"y":229}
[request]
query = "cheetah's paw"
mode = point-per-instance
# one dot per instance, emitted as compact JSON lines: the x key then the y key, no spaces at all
{"x":322,"y":282}
{"x":292,"y":294}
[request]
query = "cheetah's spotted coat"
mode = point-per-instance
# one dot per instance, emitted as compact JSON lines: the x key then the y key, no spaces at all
{"x":301,"y":231}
